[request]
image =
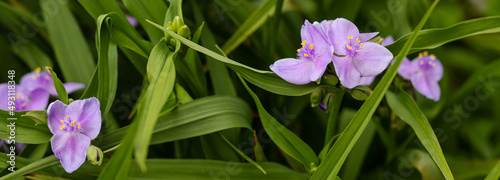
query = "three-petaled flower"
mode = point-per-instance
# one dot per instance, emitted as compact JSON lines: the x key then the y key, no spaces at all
{"x":355,"y":58}
{"x":313,"y":57}
{"x":73,"y":127}
{"x":43,"y":79}
{"x":425,"y":71}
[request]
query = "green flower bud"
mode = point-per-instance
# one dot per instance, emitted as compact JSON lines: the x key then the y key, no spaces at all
{"x":94,"y":155}
{"x":316,"y":96}
{"x":361,"y":92}
{"x":184,"y":32}
{"x":312,"y":168}
{"x":330,"y":79}
{"x":377,"y":40}
{"x":177,"y":23}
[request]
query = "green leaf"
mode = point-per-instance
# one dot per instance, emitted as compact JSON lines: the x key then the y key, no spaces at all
{"x":221,"y":81}
{"x":107,"y":66}
{"x":243,"y":155}
{"x":334,"y":159}
{"x":199,"y":117}
{"x":421,"y":161}
{"x":25,"y":128}
{"x":161,"y":76}
{"x":264,"y":79}
{"x":256,"y":20}
{"x":40,"y":117}
{"x":212,"y":169}
{"x":60,"y":89}
{"x":284,"y":138}
{"x":123,"y":34}
{"x":32,"y":167}
{"x":495,"y":173}
{"x":405,"y":107}
{"x":72,"y":52}
{"x":433,"y":38}
{"x":152,"y":9}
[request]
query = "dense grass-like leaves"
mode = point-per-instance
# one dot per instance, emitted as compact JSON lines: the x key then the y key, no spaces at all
{"x":334,"y":159}
{"x":26,"y":131}
{"x":403,"y":105}
{"x":286,"y":140}
{"x":495,"y":173}
{"x":72,"y":52}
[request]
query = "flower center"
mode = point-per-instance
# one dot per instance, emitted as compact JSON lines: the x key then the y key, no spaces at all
{"x":69,"y":125}
{"x":426,"y":61}
{"x":353,"y":46}
{"x":307,"y":50}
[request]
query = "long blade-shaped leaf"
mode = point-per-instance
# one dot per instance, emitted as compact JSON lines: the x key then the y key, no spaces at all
{"x":334,"y":159}
{"x":405,"y":107}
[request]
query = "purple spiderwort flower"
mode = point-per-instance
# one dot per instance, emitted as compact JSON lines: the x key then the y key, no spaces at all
{"x":73,"y":127}
{"x":25,"y":100}
{"x":132,"y":20}
{"x":43,"y":79}
{"x":356,"y":58}
{"x":369,"y":79}
{"x":425,"y":71}
{"x":313,"y":58}
{"x":6,"y":148}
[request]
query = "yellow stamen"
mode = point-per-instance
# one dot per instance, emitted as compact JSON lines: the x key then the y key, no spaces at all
{"x":62,"y":127}
{"x":357,"y":39}
{"x":421,"y":62}
{"x":47,"y":77}
{"x":430,"y":63}
{"x":361,"y":45}
{"x":298,"y":50}
{"x":79,"y":126}
{"x":327,"y":23}
{"x":306,"y":55}
{"x":349,"y":37}
{"x":62,"y":122}
{"x":68,"y":116}
{"x":18,"y":95}
{"x":311,"y":46}
{"x":72,"y":124}
{"x":24,"y":104}
{"x":38,"y":69}
{"x":434,"y":65}
{"x":426,"y":53}
{"x":433,"y":57}
{"x":34,"y":77}
{"x":349,"y":47}
{"x":358,"y":50}
{"x":303,"y":43}
{"x":419,"y":55}
{"x":345,"y":43}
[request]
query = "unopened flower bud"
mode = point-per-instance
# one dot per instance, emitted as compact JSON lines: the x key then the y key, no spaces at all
{"x":184,"y":32}
{"x":361,"y":93}
{"x":330,"y":79}
{"x":177,"y":23}
{"x":377,"y":40}
{"x":316,"y":96}
{"x":94,"y":155}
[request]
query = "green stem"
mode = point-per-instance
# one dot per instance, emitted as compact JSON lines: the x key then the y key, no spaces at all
{"x":333,"y":116}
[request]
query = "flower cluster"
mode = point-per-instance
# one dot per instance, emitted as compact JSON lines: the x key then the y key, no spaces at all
{"x":356,"y":61}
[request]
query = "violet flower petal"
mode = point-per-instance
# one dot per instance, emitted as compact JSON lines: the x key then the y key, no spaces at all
{"x":372,"y":59}
{"x":55,"y":113}
{"x":407,"y":69}
{"x":70,"y":87}
{"x":339,"y":32}
{"x":3,"y":101}
{"x":348,"y":75}
{"x":425,"y":86}
{"x":363,"y":37}
{"x":88,"y":114}
{"x":70,"y":148}
{"x":387,"y":41}
{"x":39,"y":98}
{"x":366,"y":80}
{"x":293,"y":70}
